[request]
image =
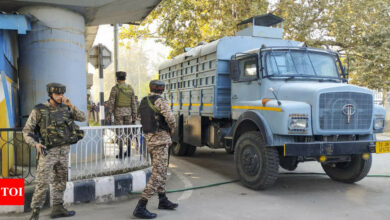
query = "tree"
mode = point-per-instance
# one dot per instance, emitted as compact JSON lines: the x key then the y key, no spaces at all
{"x":359,"y":29}
{"x":185,"y":23}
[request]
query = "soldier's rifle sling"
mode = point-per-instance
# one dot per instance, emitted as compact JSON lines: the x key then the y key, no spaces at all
{"x":152,"y":106}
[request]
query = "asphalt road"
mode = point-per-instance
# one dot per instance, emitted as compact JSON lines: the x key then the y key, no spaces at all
{"x":294,"y":196}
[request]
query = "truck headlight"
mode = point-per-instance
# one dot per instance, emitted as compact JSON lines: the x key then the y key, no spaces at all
{"x":379,"y":123}
{"x":297,"y":124}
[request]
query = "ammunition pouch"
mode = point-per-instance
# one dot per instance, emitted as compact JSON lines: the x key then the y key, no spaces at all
{"x":57,"y":128}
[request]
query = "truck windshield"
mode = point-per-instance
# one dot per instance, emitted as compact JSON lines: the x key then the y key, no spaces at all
{"x":285,"y":63}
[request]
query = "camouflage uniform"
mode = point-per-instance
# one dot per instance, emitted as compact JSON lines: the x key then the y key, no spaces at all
{"x":122,"y":115}
{"x":157,"y":144}
{"x":56,"y":160}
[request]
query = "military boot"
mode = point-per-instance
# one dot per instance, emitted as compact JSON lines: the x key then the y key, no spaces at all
{"x":35,"y":214}
{"x":164,"y":203}
{"x":60,"y":211}
{"x":141,"y":212}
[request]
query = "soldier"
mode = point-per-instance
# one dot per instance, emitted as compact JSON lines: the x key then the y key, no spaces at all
{"x":158,"y":123}
{"x":53,"y":122}
{"x":122,"y":103}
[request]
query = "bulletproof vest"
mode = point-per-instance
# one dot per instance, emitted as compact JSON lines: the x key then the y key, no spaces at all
{"x":151,"y":120}
{"x":124,"y":95}
{"x":56,"y":127}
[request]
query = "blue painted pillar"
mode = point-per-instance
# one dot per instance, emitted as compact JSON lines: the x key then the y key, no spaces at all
{"x":53,"y":51}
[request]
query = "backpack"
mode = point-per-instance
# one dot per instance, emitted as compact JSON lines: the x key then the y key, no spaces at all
{"x":124,"y":95}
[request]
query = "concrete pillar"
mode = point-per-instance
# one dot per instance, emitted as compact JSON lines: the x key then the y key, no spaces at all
{"x":53,"y":51}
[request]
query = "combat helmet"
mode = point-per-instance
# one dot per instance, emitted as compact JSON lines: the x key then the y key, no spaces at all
{"x":120,"y":75}
{"x":157,"y":86}
{"x":57,"y":88}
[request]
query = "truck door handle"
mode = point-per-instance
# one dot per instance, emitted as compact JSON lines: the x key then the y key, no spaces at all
{"x":234,"y":96}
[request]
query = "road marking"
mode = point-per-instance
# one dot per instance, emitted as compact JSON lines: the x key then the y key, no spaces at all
{"x":187,"y":184}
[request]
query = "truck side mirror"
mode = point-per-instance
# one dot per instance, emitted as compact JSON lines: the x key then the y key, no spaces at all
{"x":234,"y":70}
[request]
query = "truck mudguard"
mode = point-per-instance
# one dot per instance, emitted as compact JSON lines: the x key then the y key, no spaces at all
{"x":255,"y":118}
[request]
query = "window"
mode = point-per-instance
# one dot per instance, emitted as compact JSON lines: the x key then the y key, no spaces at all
{"x":188,"y":63}
{"x":248,"y":68}
{"x":187,"y":70}
{"x":207,"y":80}
{"x":203,"y":66}
{"x":189,"y":81}
{"x":308,"y":63}
{"x":213,"y":80}
{"x":181,"y":72}
{"x":181,"y":65}
{"x":192,"y":69}
{"x":200,"y":81}
{"x":197,"y":60}
{"x":210,"y":64}
{"x":184,"y":84}
{"x":197,"y":68}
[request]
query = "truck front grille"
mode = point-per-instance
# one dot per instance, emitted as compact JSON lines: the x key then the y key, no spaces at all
{"x":337,"y":107}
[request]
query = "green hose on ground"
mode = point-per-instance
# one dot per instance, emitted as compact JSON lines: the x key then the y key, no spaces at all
{"x":233,"y":181}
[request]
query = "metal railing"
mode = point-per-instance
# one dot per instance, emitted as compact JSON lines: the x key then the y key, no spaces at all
{"x":97,"y":154}
{"x":17,"y":160}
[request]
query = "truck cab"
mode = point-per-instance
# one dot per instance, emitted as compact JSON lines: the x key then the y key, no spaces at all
{"x":273,"y":103}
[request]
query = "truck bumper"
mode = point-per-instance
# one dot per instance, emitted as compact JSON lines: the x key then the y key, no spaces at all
{"x":316,"y":149}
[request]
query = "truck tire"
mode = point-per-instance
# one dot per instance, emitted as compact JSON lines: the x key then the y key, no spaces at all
{"x":349,"y":172}
{"x":179,"y":149}
{"x":288,"y":163}
{"x":190,"y":150}
{"x":256,"y":164}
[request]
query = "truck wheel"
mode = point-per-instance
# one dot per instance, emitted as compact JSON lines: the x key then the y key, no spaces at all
{"x":349,"y":172}
{"x":179,"y":149}
{"x":288,"y":163}
{"x":257,"y":165}
{"x":190,"y":150}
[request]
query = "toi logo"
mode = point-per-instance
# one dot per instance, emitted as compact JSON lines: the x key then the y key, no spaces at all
{"x":11,"y":191}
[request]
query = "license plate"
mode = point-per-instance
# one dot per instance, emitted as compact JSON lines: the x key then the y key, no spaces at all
{"x":382,"y":147}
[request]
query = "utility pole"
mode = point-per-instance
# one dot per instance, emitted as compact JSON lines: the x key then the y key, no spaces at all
{"x":101,"y":79}
{"x":116,"y":58}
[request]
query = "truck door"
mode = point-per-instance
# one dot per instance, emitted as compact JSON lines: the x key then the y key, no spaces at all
{"x":245,"y":84}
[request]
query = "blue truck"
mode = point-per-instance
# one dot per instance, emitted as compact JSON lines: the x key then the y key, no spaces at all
{"x":272,"y":102}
